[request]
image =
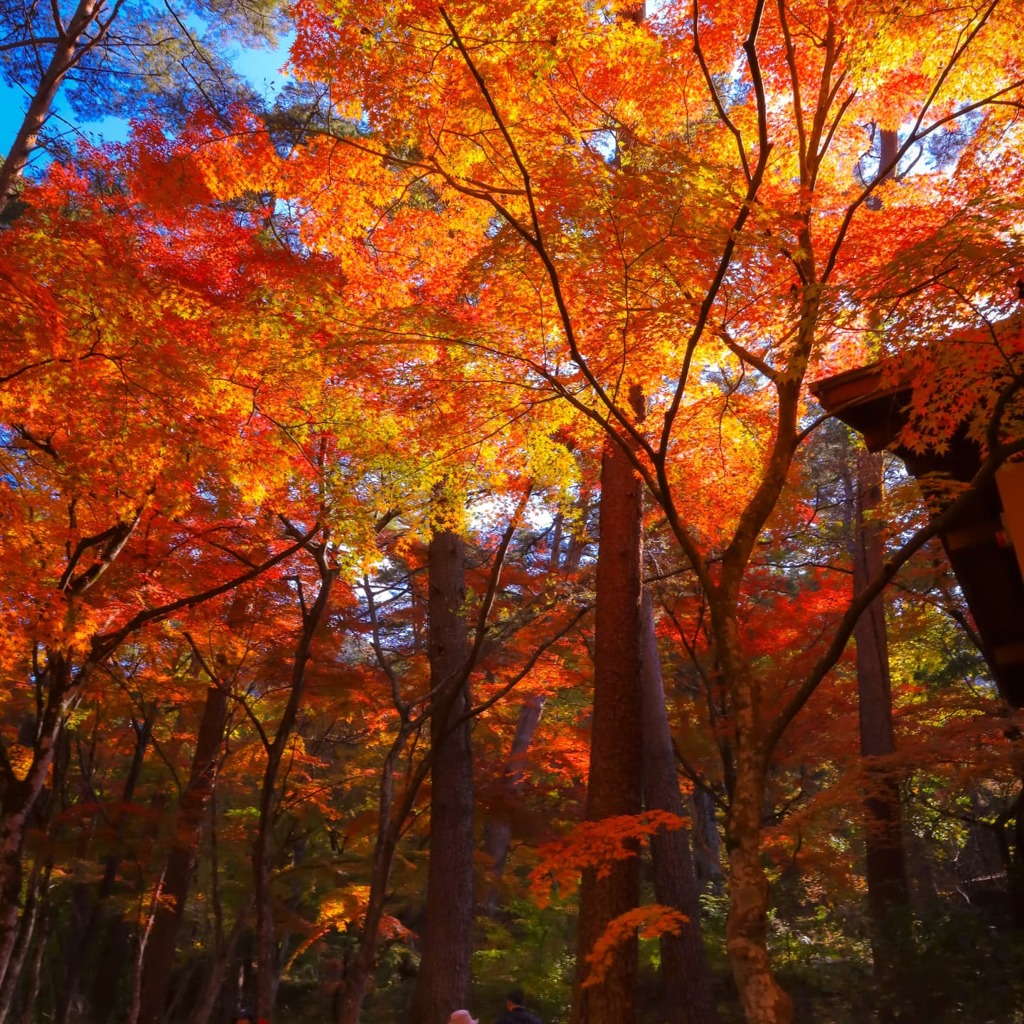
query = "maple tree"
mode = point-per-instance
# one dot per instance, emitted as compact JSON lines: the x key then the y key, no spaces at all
{"x":247,"y":359}
{"x":744,"y":241}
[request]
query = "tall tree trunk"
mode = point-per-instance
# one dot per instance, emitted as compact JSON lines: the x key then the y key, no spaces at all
{"x":34,"y":982}
{"x":1015,"y":861}
{"x":158,"y":960}
{"x":707,"y":843}
{"x":499,"y":829}
{"x":764,"y":1002}
{"x":888,"y":890}
{"x":686,"y":975}
{"x":390,"y":820}
{"x":614,"y":786}
{"x":443,"y":981}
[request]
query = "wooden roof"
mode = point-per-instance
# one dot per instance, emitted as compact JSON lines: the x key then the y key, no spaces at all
{"x":873,"y":400}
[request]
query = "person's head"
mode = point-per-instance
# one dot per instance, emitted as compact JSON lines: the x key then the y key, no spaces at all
{"x":462,"y":1017}
{"x":243,"y":1017}
{"x":515,"y":998}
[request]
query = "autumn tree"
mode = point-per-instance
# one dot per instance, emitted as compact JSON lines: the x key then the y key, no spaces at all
{"x":745,"y":242}
{"x":124,"y":449}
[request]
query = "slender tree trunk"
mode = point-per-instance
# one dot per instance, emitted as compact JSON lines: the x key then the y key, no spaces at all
{"x":499,"y":829}
{"x":359,"y":972}
{"x":746,"y":928}
{"x":266,"y":939}
{"x":614,"y":786}
{"x":443,"y":981}
{"x":114,"y":962}
{"x":36,"y":901}
{"x":30,"y":1008}
{"x":1015,"y":864}
{"x":207,"y":999}
{"x":888,"y":893}
{"x":84,"y":941}
{"x":158,"y":960}
{"x":686,"y":975}
{"x":20,"y":797}
{"x":707,"y":843}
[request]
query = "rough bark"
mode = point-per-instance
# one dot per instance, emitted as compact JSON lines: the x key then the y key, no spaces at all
{"x":685,"y":973}
{"x":158,"y":961}
{"x":888,"y":893}
{"x":764,"y":1002}
{"x":442,"y":984}
{"x":614,"y":786}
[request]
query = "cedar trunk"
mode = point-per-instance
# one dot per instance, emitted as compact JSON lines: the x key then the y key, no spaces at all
{"x":614,"y":786}
{"x":686,"y":976}
{"x":888,"y":893}
{"x":443,"y":981}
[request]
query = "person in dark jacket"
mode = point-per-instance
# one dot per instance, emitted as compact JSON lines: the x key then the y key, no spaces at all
{"x":516,"y":1011}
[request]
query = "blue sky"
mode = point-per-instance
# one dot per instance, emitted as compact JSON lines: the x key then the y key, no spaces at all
{"x":261,"y":67}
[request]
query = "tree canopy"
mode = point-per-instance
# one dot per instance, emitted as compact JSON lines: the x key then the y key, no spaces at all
{"x":327,"y":424}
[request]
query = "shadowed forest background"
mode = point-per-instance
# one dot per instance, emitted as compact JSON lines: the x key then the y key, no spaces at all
{"x":482,"y":515}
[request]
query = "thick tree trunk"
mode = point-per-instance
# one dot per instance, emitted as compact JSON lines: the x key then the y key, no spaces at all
{"x":443,"y":981}
{"x":686,"y":975}
{"x":158,"y":960}
{"x":614,"y":786}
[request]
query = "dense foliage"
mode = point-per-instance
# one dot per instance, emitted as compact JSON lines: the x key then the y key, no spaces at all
{"x":327,"y":585}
